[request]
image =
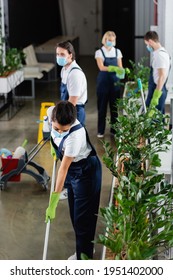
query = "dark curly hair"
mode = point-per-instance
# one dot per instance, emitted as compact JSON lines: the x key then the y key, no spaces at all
{"x":64,"y":113}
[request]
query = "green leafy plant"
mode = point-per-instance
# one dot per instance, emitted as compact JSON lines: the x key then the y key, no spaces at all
{"x":138,"y":70}
{"x":13,"y":57}
{"x":14,"y":61}
{"x":138,"y":222}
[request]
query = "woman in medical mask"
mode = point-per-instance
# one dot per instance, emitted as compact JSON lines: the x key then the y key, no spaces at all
{"x":109,"y":62}
{"x":73,"y":81}
{"x":80,"y":171}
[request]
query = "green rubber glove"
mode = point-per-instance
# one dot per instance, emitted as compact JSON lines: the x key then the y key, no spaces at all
{"x":120,"y":72}
{"x":155,"y":99}
{"x":51,"y":210}
{"x":151,"y":113}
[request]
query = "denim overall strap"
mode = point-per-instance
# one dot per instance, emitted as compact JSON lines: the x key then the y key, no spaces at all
{"x":110,"y":60}
{"x":58,"y":149}
{"x":108,"y":77}
{"x":63,"y":87}
{"x":74,"y":128}
{"x":93,"y":152}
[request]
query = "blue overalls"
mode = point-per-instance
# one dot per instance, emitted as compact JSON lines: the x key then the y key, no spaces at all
{"x":83,"y":183}
{"x":107,"y":91}
{"x":65,"y":96}
{"x":151,"y":88}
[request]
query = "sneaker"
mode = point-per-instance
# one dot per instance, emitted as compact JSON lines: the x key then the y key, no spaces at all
{"x":63,"y":194}
{"x":73,"y":257}
{"x":99,"y":135}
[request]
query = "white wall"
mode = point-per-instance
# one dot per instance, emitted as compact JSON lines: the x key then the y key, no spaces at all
{"x":144,"y":18}
{"x":83,"y":18}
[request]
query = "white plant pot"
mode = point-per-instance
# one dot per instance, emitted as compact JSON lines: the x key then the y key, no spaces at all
{"x":11,"y":81}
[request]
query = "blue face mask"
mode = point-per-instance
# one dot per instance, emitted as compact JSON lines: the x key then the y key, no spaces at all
{"x":109,"y":44}
{"x":59,"y":135}
{"x":61,"y":61}
{"x":149,"y":48}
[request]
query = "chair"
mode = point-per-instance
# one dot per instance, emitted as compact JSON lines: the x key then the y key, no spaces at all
{"x":31,"y":73}
{"x":31,"y":60}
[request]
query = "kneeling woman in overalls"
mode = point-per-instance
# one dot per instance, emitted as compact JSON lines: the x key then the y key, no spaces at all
{"x":80,"y":171}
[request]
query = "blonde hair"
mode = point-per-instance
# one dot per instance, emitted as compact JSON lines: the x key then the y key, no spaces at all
{"x":107,"y":35}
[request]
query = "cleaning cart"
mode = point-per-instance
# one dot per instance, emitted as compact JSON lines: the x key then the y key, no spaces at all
{"x":13,"y":167}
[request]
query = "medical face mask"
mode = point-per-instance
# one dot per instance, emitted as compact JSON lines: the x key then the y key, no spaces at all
{"x":61,"y":61}
{"x":109,"y":44}
{"x":59,"y":135}
{"x":149,"y":48}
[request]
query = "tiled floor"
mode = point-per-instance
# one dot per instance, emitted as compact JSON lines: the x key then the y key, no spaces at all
{"x":23,"y":203}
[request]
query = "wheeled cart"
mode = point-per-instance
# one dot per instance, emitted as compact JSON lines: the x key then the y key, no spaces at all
{"x":13,"y":167}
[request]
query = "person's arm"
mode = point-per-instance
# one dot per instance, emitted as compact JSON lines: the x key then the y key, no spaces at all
{"x":162,"y":78}
{"x":101,"y":65}
{"x":119,"y":62}
{"x":62,"y":173}
{"x":73,"y":100}
{"x":55,"y":196}
{"x":74,"y":86}
{"x":158,"y":90}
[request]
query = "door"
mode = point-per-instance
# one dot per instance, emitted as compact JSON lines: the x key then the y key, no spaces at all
{"x":119,"y":16}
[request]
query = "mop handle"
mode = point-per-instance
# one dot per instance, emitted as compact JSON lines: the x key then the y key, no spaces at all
{"x":145,"y":110}
{"x":35,"y":147}
{"x":46,"y":240}
{"x":142,"y":94}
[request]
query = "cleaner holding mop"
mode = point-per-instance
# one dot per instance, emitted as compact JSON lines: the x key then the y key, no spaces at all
{"x":80,"y":171}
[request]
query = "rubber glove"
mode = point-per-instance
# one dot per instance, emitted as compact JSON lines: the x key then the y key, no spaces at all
{"x":156,"y":96}
{"x":154,"y":101}
{"x":52,"y":151}
{"x":151,"y":113}
{"x":51,"y":210}
{"x":120,"y":72}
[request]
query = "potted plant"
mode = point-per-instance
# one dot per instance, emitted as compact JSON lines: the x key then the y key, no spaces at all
{"x":11,"y":64}
{"x":138,"y":221}
{"x":137,"y":71}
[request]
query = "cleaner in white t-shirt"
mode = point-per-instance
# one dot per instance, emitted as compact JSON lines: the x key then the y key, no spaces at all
{"x":160,"y":66}
{"x":109,"y":62}
{"x":73,"y":81}
{"x":80,"y":171}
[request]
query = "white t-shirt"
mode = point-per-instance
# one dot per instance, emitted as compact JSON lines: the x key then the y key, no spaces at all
{"x":75,"y":145}
{"x":108,"y":53}
{"x":160,"y":59}
{"x":76,"y":82}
